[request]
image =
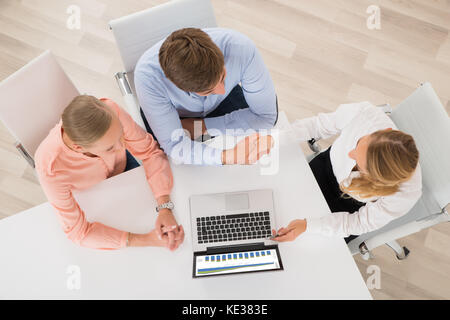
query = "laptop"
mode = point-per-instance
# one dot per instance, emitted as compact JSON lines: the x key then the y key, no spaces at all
{"x":230,"y":233}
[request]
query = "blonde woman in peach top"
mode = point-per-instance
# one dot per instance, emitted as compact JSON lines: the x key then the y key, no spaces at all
{"x":91,"y":143}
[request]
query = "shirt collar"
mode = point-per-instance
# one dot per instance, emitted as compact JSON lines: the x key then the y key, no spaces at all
{"x":194,"y":95}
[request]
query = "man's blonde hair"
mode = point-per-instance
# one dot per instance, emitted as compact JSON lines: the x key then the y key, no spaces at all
{"x":392,"y":158}
{"x":85,"y":120}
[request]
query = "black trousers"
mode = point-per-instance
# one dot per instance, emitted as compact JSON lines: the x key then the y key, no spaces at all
{"x":323,"y":172}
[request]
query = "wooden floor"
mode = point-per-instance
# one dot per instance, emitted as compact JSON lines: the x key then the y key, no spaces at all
{"x":320,"y":54}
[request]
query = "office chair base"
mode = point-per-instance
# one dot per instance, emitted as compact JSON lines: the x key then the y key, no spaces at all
{"x":404,"y":255}
{"x":401,"y":252}
{"x":365,"y":253}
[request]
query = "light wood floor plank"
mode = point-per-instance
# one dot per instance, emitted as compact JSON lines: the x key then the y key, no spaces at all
{"x":432,"y":12}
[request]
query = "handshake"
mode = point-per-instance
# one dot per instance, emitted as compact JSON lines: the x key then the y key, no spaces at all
{"x":247,"y":151}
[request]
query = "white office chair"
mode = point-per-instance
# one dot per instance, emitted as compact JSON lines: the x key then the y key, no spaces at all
{"x":422,"y":116}
{"x":139,"y":31}
{"x":33,"y":99}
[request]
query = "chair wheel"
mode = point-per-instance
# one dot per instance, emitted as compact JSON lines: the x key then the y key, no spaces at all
{"x":406,"y":253}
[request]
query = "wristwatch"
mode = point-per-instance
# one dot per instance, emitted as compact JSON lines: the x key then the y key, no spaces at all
{"x":166,"y":205}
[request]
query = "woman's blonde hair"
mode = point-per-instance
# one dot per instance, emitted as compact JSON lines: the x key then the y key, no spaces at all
{"x":392,"y":158}
{"x":85,"y":120}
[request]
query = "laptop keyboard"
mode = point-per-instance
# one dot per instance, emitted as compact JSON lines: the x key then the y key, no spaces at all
{"x":243,"y":226}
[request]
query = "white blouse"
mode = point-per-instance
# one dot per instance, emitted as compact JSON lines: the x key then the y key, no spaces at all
{"x":353,"y":121}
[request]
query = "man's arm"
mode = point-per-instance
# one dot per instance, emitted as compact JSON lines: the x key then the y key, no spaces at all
{"x":259,"y":93}
{"x":165,"y":122}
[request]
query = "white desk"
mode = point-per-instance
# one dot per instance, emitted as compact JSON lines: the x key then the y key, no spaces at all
{"x":35,"y":254}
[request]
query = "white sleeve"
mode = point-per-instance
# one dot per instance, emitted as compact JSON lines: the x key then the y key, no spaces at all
{"x":326,"y":125}
{"x":370,"y":217}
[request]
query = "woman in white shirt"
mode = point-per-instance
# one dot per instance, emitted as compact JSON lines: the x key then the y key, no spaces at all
{"x":369,"y":176}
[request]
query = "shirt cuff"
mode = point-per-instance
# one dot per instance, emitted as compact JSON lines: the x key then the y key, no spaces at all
{"x":301,"y":131}
{"x":123,"y":239}
{"x":314,"y":226}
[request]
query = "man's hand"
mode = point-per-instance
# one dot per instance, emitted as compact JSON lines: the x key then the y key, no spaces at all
{"x":195,"y":126}
{"x":248,"y":150}
{"x":293,"y":230}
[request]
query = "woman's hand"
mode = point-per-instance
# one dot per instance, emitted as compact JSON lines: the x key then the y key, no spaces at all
{"x":175,"y":237}
{"x":166,"y":225}
{"x":291,"y":232}
{"x":165,"y":220}
{"x":151,"y":239}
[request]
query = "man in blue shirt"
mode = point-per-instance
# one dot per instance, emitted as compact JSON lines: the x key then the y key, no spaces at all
{"x":206,"y":81}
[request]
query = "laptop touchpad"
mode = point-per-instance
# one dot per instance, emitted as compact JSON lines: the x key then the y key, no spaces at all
{"x":236,"y":201}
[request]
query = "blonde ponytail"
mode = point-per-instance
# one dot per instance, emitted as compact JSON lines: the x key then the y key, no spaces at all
{"x":392,"y":158}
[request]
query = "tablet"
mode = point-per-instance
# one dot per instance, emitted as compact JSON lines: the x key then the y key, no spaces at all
{"x":235,"y":261}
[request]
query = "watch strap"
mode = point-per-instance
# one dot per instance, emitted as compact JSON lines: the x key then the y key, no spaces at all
{"x":166,"y":205}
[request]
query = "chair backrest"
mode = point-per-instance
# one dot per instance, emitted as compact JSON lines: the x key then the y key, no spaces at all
{"x":139,"y":31}
{"x":423,"y":116}
{"x":33,"y":98}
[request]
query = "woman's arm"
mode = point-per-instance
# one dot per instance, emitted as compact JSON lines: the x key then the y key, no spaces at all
{"x":157,"y":169}
{"x":372,"y":216}
{"x":94,"y":235}
{"x":326,"y":125}
{"x":73,"y":220}
{"x":144,"y":147}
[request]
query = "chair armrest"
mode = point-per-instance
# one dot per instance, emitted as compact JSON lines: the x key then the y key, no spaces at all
{"x":24,"y":153}
{"x":313,"y":145}
{"x":386,"y":108}
{"x":131,"y":103}
{"x":122,"y":82}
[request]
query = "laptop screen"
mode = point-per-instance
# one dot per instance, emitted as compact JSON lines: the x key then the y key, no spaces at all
{"x":237,"y":261}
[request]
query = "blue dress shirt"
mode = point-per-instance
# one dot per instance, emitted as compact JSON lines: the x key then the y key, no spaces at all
{"x":164,"y":104}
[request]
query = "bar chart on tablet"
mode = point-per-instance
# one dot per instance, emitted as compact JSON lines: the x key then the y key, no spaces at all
{"x":235,"y":262}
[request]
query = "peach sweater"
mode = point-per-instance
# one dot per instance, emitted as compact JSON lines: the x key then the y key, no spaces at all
{"x":61,"y":170}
